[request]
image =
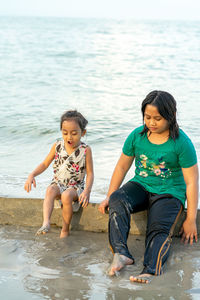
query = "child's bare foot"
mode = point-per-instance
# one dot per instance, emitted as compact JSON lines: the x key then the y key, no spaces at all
{"x":142,"y":278}
{"x":119,"y":261}
{"x":64,"y":234}
{"x":43,"y":230}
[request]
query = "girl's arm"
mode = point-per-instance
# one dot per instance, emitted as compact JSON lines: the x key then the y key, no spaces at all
{"x":85,"y":195}
{"x":189,"y":228}
{"x":40,"y":169}
{"x":122,"y":167}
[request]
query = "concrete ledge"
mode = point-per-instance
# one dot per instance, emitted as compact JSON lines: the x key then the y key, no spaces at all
{"x":28,"y":212}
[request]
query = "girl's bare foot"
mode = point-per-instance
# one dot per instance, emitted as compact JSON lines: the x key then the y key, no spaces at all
{"x":119,"y":261}
{"x":64,"y":234}
{"x":142,"y":278}
{"x":43,"y":230}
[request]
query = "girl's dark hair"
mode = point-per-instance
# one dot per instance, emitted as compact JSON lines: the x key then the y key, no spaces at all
{"x":166,"y":106}
{"x":75,"y":116}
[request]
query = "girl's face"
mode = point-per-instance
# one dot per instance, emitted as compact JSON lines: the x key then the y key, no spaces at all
{"x":72,"y":133}
{"x":154,"y":121}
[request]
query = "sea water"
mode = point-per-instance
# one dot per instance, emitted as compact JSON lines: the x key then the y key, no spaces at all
{"x":48,"y":267}
{"x":104,"y":68}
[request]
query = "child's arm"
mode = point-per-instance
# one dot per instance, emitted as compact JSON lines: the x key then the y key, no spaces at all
{"x":122,"y":167}
{"x":40,"y":169}
{"x":85,"y":195}
{"x":189,"y":228}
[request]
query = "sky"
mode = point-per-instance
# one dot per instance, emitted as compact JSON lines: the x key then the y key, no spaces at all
{"x":134,"y":9}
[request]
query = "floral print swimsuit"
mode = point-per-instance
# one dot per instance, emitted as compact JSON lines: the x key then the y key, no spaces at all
{"x":69,"y":170}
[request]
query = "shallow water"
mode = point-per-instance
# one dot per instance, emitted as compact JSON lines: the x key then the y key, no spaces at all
{"x":46,"y":267}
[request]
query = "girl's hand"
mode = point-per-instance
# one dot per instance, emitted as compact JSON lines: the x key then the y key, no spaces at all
{"x":29,"y":182}
{"x":84,"y":198}
{"x":103,"y":205}
{"x":189,"y":231}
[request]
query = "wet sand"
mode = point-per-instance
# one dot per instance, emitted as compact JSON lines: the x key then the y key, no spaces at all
{"x":47,"y":267}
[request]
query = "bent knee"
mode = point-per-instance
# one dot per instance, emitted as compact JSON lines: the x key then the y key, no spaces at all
{"x":68,"y":196}
{"x":116,"y":198}
{"x":52,"y":189}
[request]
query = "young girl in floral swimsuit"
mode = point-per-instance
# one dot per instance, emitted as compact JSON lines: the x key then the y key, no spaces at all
{"x":72,"y":160}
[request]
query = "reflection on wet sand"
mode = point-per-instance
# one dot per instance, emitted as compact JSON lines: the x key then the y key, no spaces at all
{"x":47,"y":267}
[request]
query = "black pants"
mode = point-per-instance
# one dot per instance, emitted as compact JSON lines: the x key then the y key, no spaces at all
{"x":163,"y":213}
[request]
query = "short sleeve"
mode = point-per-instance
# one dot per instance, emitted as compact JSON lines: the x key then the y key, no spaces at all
{"x":187,"y":155}
{"x":129,"y":145}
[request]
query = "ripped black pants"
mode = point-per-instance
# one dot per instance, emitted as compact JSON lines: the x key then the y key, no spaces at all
{"x":163,"y":212}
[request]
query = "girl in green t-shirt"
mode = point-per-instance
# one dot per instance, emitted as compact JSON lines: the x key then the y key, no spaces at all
{"x":166,"y":173}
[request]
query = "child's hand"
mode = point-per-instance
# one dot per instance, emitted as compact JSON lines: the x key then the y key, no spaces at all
{"x":84,"y":198}
{"x":29,"y":182}
{"x":189,"y":231}
{"x":103,"y":205}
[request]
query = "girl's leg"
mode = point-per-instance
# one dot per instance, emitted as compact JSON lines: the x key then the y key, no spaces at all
{"x":67,"y":198}
{"x":162,"y":218}
{"x":132,"y":197}
{"x":51,"y":193}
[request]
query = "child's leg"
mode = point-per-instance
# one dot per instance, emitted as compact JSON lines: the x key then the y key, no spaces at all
{"x":128,"y":199}
{"x":52,"y":192}
{"x":162,"y":218}
{"x":67,"y":198}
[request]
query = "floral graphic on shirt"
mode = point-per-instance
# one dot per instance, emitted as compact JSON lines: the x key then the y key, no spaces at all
{"x":159,"y":168}
{"x":144,"y":160}
{"x":76,"y":167}
{"x":143,"y":174}
{"x":157,"y":172}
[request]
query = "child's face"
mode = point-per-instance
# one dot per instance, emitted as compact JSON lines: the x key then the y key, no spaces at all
{"x":72,"y":133}
{"x":154,"y":121}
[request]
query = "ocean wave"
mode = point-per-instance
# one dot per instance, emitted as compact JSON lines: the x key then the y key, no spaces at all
{"x":68,"y":54}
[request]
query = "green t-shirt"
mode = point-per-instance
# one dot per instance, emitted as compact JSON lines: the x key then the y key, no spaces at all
{"x":158,"y":167}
